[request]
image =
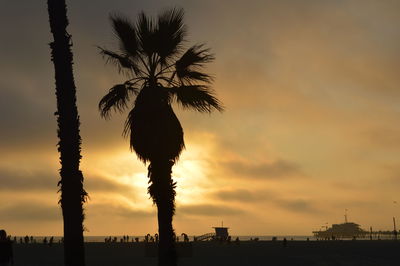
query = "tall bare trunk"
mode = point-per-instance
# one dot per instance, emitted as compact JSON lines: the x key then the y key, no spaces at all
{"x":162,"y":190}
{"x":71,"y":184}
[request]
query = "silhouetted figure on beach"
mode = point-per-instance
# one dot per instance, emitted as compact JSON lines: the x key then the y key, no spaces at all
{"x":147,"y":238}
{"x":284,"y":242}
{"x":51,"y":240}
{"x":185,"y":237}
{"x":6,"y":252}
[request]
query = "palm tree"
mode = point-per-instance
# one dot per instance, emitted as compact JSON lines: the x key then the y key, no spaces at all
{"x":71,"y":184}
{"x":160,"y":72}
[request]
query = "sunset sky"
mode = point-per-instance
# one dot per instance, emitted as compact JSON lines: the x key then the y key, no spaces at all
{"x":311,"y":126}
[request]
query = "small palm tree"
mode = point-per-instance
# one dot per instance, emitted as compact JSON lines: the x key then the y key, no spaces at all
{"x":160,"y":72}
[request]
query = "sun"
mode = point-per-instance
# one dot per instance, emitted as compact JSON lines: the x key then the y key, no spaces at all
{"x":191,"y":172}
{"x":191,"y":175}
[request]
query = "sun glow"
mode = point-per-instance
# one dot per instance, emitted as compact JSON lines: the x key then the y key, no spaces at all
{"x":190,"y":173}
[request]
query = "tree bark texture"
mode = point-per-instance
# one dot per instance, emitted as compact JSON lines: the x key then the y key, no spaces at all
{"x":162,"y":190}
{"x":71,"y":184}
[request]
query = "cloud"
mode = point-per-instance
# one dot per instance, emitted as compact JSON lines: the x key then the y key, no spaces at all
{"x":262,"y":197}
{"x":105,"y":210}
{"x":25,"y":122}
{"x":297,"y":205}
{"x":297,"y":91}
{"x":14,"y":180}
{"x":207,"y":210}
{"x":101,"y":184}
{"x":242,"y":195}
{"x":30,"y":211}
{"x":387,"y":137}
{"x":22,"y":181}
{"x":277,"y":169}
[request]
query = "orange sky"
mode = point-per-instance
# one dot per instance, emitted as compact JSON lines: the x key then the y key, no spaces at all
{"x":311,"y":125}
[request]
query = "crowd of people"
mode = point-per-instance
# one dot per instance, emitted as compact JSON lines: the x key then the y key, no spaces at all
{"x":147,"y":238}
{"x":31,"y":240}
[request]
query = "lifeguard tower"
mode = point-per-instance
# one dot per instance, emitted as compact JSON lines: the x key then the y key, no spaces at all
{"x":221,"y":233}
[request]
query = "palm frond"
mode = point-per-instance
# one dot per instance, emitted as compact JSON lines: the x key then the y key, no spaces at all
{"x":198,"y":97}
{"x":119,"y":60}
{"x":145,"y":28}
{"x":195,"y":56}
{"x":116,"y":99}
{"x":171,"y":32}
{"x":191,"y":61}
{"x":188,"y":76}
{"x":126,"y":34}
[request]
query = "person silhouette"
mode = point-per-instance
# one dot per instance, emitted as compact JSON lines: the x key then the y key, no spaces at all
{"x":6,"y":252}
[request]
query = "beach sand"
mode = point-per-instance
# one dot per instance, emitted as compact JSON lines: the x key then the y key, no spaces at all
{"x":318,"y":253}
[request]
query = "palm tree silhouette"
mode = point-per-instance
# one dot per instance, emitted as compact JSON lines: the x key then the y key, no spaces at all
{"x":160,"y":72}
{"x":71,"y":184}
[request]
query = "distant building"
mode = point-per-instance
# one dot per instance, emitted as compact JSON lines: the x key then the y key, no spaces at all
{"x":344,"y":230}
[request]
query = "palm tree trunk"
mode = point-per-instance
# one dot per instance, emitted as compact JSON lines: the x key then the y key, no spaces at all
{"x":72,"y":193}
{"x":162,"y":190}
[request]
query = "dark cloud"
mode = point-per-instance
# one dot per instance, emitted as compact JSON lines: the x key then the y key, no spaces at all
{"x":297,"y":205}
{"x":243,"y":195}
{"x":266,"y":196}
{"x":383,"y":137}
{"x":14,"y":180}
{"x":277,"y":169}
{"x":207,"y":210}
{"x":25,"y":122}
{"x":27,"y":211}
{"x":22,"y":181}
{"x":100,"y":209}
{"x":302,"y":40}
{"x":30,"y":211}
{"x":101,"y":184}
